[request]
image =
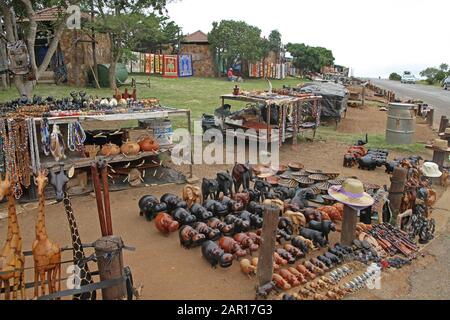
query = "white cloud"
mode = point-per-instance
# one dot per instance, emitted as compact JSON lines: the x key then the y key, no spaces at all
{"x":372,"y":37}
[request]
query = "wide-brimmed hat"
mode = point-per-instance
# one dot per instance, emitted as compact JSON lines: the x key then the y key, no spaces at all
{"x":431,"y":170}
{"x":351,"y":193}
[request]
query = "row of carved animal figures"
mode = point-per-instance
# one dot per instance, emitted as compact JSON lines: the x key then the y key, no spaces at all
{"x":305,"y":273}
{"x":46,"y":253}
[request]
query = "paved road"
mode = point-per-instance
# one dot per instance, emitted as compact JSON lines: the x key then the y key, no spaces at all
{"x":432,"y":95}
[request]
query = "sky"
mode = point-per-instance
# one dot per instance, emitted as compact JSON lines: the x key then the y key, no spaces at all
{"x":373,"y":38}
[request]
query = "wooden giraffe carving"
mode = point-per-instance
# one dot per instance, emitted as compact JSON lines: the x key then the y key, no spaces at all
{"x":12,"y":260}
{"x":59,"y":182}
{"x":46,"y":254}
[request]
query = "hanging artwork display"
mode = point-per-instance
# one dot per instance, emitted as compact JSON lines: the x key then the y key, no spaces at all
{"x":19,"y":58}
{"x":267,"y":70}
{"x":148,"y":63}
{"x":170,"y":66}
{"x":157,"y":64}
{"x":185,"y":65}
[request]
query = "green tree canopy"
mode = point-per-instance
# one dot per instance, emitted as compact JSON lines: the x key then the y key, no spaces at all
{"x":310,"y":59}
{"x":443,"y":67}
{"x":430,"y":74}
{"x":130,"y":24}
{"x":275,"y":43}
{"x":236,"y":41}
{"x":395,"y":76}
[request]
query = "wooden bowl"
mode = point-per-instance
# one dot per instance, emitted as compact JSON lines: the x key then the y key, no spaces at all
{"x":295,"y":166}
{"x":279,"y":170}
{"x":259,"y":169}
{"x":274,"y":180}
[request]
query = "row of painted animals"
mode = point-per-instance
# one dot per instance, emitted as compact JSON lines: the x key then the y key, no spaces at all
{"x":46,"y":253}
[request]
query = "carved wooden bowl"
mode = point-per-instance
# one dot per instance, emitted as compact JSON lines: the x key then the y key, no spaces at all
{"x":295,"y":166}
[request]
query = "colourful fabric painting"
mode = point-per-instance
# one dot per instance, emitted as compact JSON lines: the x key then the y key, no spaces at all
{"x":170,"y":66}
{"x":185,"y":66}
{"x":148,"y":63}
{"x":157,"y":64}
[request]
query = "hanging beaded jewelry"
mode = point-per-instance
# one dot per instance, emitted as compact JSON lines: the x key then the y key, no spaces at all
{"x":75,"y":136}
{"x":45,"y":136}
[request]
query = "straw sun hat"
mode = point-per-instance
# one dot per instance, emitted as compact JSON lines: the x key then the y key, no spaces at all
{"x":431,"y":170}
{"x":351,"y":193}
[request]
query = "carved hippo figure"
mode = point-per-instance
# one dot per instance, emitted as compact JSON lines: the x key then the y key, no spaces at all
{"x":190,"y":238}
{"x":210,"y":233}
{"x":150,"y":206}
{"x":225,"y":229}
{"x":367,"y":163}
{"x":217,"y":208}
{"x":183,"y":216}
{"x":215,"y":255}
{"x":173,"y":202}
{"x":201,"y":213}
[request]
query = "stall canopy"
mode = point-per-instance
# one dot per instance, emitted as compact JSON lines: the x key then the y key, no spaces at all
{"x":335,"y":97}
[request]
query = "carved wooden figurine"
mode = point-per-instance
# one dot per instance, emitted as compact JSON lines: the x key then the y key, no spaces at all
{"x":192,"y":195}
{"x":59,"y":182}
{"x":46,"y":254}
{"x":11,"y":256}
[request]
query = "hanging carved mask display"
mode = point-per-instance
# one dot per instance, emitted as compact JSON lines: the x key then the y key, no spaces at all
{"x":19,"y":59}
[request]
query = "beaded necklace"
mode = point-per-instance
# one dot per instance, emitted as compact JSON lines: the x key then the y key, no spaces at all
{"x":20,"y":130}
{"x":75,"y":136}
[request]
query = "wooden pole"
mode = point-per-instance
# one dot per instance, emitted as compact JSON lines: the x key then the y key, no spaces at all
{"x":269,"y":235}
{"x":439,"y":158}
{"x":108,"y":251}
{"x":444,"y":124}
{"x":349,"y":221}
{"x":190,"y":134}
{"x":430,"y":117}
{"x":397,"y":189}
{"x":106,"y":201}
{"x":363,"y":101}
{"x":98,"y":198}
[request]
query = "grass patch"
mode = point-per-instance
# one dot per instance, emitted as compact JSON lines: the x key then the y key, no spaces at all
{"x":200,"y":95}
{"x":376,"y":141}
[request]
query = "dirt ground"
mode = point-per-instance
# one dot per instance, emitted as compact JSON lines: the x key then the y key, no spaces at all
{"x":160,"y":264}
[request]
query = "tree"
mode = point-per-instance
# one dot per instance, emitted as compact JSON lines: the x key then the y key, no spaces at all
{"x":160,"y":33}
{"x":395,"y":76}
{"x":310,"y":59}
{"x":127,"y":25}
{"x":275,"y":43}
{"x":430,"y":74}
{"x":443,"y":67}
{"x":14,"y":10}
{"x":236,"y":41}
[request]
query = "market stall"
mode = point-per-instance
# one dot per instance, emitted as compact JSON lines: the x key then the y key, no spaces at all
{"x":268,"y":111}
{"x":131,"y":136}
{"x":335,"y":98}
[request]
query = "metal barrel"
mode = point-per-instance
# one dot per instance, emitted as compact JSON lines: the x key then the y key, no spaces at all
{"x":401,"y":124}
